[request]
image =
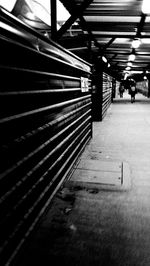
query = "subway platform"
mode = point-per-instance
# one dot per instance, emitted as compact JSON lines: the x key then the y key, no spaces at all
{"x":101,"y":215}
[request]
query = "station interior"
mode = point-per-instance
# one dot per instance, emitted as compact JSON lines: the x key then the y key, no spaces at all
{"x":75,"y":132}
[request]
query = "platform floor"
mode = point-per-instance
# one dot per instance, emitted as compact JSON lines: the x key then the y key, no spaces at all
{"x":101,"y":216}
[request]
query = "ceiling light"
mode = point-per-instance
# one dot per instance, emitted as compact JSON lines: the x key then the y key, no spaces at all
{"x":108,"y":65}
{"x":131,"y":57}
{"x":146,"y":6}
{"x":145,"y":77}
{"x":129,"y":64}
{"x":136,"y":43}
{"x":128,"y":68}
{"x":104,"y":59}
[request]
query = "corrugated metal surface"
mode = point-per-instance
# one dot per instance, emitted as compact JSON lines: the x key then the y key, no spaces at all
{"x":117,"y":88}
{"x":106,"y":93}
{"x":102,"y":94}
{"x":143,"y":87}
{"x":45,"y":124}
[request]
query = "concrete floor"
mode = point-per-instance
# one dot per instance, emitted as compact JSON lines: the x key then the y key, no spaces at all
{"x":96,"y":222}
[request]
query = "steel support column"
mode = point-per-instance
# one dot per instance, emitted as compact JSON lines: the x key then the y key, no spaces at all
{"x":53,"y":19}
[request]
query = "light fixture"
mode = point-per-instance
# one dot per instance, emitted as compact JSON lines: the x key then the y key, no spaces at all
{"x":145,"y":78}
{"x":136,"y":43}
{"x":129,"y":64}
{"x":108,"y":65}
{"x":128,"y":68}
{"x":104,"y":59}
{"x":131,"y":57}
{"x":146,"y":7}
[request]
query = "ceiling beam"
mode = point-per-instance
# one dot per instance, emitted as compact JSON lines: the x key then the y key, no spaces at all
{"x":53,"y":19}
{"x":141,"y":25}
{"x":86,"y":28}
{"x":75,"y":11}
{"x":128,"y":53}
{"x":103,"y":49}
{"x":123,"y":61}
{"x":108,"y":44}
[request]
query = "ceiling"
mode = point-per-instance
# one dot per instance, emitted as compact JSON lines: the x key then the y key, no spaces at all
{"x":98,"y":28}
{"x":107,"y":28}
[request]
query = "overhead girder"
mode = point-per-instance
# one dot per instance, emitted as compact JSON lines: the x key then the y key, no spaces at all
{"x":112,"y":49}
{"x":53,"y":19}
{"x":140,"y":25}
{"x":76,"y":12}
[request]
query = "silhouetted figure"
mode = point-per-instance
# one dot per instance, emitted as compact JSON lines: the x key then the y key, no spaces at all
{"x":132,"y":90}
{"x":121,"y":90}
{"x":132,"y":93}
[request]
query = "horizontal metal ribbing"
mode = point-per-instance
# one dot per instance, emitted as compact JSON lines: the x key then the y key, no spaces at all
{"x":39,"y":92}
{"x":46,"y":158}
{"x":45,"y":174}
{"x":83,"y":143}
{"x":39,"y":73}
{"x":19,"y":163}
{"x":52,"y":123}
{"x":52,"y":57}
{"x":7,"y":119}
{"x":45,"y":124}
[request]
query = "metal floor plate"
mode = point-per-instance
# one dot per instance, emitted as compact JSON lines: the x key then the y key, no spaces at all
{"x":101,"y":173}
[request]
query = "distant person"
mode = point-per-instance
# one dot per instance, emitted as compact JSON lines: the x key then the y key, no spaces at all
{"x":121,"y":90}
{"x":132,"y":91}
